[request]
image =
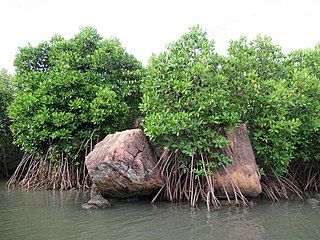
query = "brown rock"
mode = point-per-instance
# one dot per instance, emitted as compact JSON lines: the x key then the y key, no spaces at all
{"x":242,"y":174}
{"x":124,"y":165}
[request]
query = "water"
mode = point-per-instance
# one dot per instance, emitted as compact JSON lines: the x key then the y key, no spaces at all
{"x":54,"y":215}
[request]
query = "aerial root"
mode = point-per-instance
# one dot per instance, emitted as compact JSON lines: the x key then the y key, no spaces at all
{"x":275,"y":187}
{"x":183,"y":185}
{"x":54,"y":174}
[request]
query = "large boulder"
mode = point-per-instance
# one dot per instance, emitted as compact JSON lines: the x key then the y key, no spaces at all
{"x":124,"y":165}
{"x":242,"y":174}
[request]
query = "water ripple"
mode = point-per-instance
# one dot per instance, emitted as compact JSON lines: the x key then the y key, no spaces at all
{"x":53,"y":215}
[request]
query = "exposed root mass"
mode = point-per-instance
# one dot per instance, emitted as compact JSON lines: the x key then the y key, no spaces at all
{"x":275,"y":187}
{"x":183,"y":185}
{"x":36,"y":173}
{"x":301,"y":179}
{"x":60,"y":173}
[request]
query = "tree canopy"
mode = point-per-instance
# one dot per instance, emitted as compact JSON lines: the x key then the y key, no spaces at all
{"x":186,"y":99}
{"x":277,"y":95}
{"x":69,"y":90}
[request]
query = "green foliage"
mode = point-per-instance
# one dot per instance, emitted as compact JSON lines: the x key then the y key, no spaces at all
{"x":68,"y":89}
{"x":192,"y":96}
{"x":9,"y":154}
{"x":279,"y":100}
{"x":308,"y":107}
{"x":186,"y":98}
{"x":5,"y":98}
{"x":308,"y":59}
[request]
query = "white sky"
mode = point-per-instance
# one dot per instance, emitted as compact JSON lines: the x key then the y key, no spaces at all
{"x":146,"y":26}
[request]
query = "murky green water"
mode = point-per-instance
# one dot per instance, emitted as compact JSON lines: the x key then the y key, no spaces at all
{"x":48,"y":215}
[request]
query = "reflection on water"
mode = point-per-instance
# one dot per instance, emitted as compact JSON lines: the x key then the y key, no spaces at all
{"x":58,"y":215}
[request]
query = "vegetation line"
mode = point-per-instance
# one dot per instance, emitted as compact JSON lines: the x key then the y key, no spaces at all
{"x":67,"y":94}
